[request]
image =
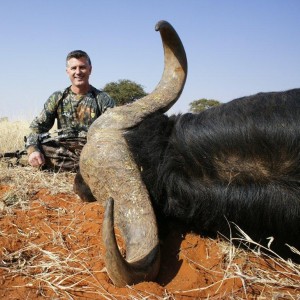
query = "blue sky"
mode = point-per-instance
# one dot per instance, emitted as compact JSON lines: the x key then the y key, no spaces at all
{"x":234,"y":48}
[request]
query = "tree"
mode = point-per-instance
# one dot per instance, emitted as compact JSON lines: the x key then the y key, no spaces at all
{"x":202,"y":104}
{"x":124,"y":91}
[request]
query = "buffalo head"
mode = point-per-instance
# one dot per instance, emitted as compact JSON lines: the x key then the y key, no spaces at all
{"x":236,"y":163}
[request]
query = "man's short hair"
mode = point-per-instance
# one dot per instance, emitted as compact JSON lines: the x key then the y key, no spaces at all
{"x":78,"y":54}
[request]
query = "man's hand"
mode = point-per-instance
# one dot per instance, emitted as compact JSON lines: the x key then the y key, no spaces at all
{"x":36,"y":159}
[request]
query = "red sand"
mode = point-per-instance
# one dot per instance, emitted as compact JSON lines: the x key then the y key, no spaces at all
{"x":192,"y":267}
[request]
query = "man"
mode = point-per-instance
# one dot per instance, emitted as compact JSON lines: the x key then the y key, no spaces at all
{"x":75,"y":109}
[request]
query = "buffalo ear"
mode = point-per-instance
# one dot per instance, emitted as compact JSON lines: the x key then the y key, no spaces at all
{"x":82,"y":189}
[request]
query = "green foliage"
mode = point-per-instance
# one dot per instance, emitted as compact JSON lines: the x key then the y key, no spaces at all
{"x":124,"y":91}
{"x":202,"y":104}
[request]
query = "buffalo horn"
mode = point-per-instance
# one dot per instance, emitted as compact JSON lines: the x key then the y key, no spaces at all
{"x":109,"y":169}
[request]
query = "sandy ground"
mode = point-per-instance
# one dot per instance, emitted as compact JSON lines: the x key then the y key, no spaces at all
{"x":52,"y":249}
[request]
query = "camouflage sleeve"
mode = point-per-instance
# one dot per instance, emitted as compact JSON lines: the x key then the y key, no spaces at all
{"x":105,"y":101}
{"x":42,"y":123}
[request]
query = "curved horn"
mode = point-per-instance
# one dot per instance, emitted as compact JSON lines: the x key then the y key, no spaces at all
{"x":109,"y":169}
{"x":119,"y":270}
{"x":166,"y":92}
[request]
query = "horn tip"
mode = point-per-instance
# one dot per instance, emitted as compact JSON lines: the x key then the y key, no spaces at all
{"x":161,"y":24}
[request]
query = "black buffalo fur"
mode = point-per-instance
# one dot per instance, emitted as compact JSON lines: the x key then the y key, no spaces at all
{"x":238,"y":162}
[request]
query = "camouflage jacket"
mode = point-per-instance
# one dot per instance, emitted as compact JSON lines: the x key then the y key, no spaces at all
{"x":74,"y":114}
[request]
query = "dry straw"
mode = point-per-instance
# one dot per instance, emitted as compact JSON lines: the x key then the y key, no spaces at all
{"x":12,"y":135}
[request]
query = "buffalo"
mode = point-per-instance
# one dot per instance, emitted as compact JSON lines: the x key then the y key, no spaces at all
{"x":237,"y":163}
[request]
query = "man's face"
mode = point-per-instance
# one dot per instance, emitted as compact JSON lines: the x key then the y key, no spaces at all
{"x":79,"y":71}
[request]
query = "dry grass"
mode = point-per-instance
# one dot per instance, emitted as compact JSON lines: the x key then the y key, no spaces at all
{"x":258,"y":266}
{"x":50,"y":269}
{"x":12,"y":135}
{"x":281,"y":274}
{"x":26,"y":181}
{"x":49,"y":264}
